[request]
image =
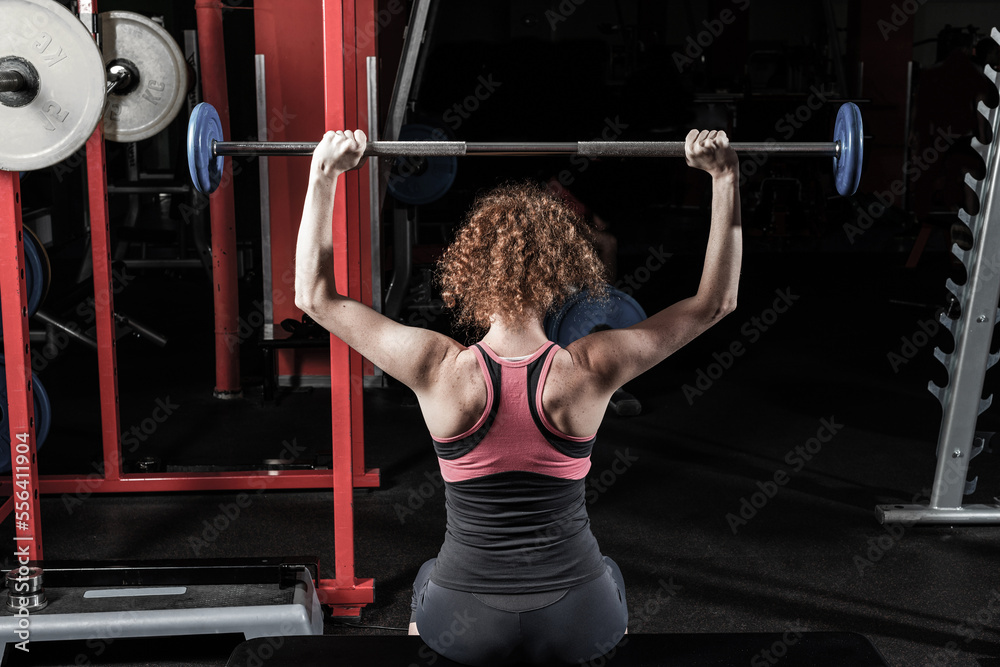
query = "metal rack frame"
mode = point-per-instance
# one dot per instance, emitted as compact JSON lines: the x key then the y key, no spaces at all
{"x":345,"y":106}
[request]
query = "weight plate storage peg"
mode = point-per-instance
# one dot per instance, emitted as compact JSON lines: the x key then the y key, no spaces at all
{"x":849,"y":132}
{"x":155,"y":81}
{"x":204,"y":129}
{"x":55,"y":90}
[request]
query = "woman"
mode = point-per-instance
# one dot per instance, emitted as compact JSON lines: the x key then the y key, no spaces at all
{"x":520,"y":577}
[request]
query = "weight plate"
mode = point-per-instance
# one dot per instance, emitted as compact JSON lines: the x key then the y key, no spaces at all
{"x":43,"y":410}
{"x":34,"y":272}
{"x":581,"y":315}
{"x":422,"y":180}
{"x":158,"y":87}
{"x":46,"y":263}
{"x":850,"y":133}
{"x":70,"y":98}
{"x":43,"y":416}
{"x":204,"y":127}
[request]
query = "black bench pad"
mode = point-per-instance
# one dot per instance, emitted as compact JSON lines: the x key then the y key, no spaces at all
{"x":810,"y":649}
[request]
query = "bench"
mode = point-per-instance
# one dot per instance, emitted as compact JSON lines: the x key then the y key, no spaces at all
{"x":810,"y":649}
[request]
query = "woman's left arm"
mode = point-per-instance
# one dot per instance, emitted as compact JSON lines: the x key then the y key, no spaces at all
{"x":411,"y":355}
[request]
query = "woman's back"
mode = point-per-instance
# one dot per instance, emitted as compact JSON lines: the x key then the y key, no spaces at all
{"x":515,"y":489}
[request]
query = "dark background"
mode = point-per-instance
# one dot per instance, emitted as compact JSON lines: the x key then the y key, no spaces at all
{"x":566,"y":72}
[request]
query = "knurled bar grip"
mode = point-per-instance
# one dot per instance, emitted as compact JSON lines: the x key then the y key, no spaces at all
{"x":11,"y":81}
{"x":587,"y":148}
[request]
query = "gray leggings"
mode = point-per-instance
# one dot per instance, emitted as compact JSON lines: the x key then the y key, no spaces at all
{"x":566,"y":627}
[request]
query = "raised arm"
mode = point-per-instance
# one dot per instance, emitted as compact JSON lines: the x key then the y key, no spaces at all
{"x":612,"y":358}
{"x":412,"y":356}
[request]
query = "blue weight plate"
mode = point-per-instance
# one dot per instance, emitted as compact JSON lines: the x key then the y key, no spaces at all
{"x":43,"y":410}
{"x":34,"y":272}
{"x":581,"y":315}
{"x":204,"y":127}
{"x":422,"y":180}
{"x":850,"y":133}
{"x":43,"y":416}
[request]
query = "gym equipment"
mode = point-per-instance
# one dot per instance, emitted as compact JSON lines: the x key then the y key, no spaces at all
{"x":848,"y":133}
{"x":421,"y":180}
{"x":206,"y":149}
{"x":582,"y":314}
{"x":972,"y":330}
{"x":254,"y":597}
{"x":37,"y":271}
{"x":812,"y":649}
{"x":52,"y":84}
{"x":43,"y":416}
{"x":204,"y":131}
{"x":154,"y":76}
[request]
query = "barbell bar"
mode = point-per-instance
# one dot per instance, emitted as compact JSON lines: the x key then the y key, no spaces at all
{"x":207,"y":149}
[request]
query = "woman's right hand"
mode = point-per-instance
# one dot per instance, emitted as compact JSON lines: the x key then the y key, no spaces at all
{"x":339,"y":152}
{"x":710,"y":151}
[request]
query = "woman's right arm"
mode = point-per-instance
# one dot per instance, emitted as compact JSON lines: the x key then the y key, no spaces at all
{"x":609,"y":359}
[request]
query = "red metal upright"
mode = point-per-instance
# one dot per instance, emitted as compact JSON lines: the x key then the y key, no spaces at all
{"x":211,"y":45}
{"x":17,"y":363}
{"x":359,"y":17}
{"x":345,"y":364}
{"x":104,"y":305}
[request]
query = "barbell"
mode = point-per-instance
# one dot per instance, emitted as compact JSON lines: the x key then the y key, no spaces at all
{"x":207,"y":149}
{"x":56,"y":85}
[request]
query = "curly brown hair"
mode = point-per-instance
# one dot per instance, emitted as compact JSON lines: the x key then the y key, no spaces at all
{"x":520,"y":254}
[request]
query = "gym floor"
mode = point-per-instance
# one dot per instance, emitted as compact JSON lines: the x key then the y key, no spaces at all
{"x":745,"y":507}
